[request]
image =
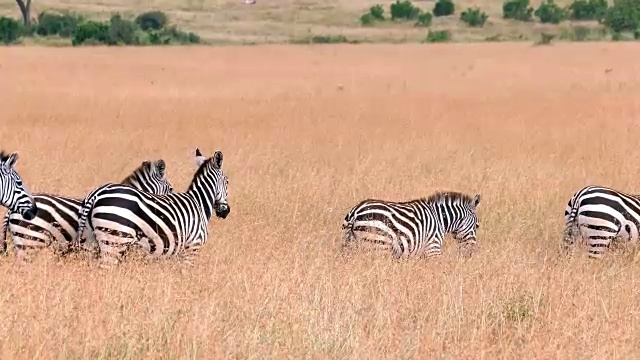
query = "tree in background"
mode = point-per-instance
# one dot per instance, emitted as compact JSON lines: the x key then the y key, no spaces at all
{"x":25,"y":9}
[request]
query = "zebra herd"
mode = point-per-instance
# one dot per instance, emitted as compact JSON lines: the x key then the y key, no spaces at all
{"x":144,"y":211}
{"x":141,"y":210}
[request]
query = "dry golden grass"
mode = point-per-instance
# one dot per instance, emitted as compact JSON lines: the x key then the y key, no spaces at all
{"x":278,"y":21}
{"x":306,"y":133}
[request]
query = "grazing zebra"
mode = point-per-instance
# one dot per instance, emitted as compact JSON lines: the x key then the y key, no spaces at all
{"x":599,"y":215}
{"x":13,"y":194}
{"x":56,"y":220}
{"x":412,"y":228}
{"x":161,"y":225}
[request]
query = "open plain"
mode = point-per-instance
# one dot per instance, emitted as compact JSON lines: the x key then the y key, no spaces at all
{"x":306,"y":133}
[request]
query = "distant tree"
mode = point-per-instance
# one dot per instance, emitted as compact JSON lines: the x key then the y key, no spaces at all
{"x":25,"y":9}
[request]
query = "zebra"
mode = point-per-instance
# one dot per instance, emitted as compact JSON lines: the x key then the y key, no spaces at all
{"x":413,"y":228}
{"x":56,"y":220}
{"x":13,"y":193}
{"x":599,"y":215}
{"x":159,"y":225}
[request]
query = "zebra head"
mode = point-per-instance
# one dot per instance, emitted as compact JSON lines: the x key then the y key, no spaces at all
{"x":213,"y":182}
{"x":465,"y":222}
{"x":150,"y":177}
{"x":13,"y":193}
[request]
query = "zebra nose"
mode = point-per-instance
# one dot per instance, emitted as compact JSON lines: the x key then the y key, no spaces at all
{"x":223,"y":210}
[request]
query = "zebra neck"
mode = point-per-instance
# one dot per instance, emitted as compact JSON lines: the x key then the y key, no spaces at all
{"x":447,"y":216}
{"x":203,"y":198}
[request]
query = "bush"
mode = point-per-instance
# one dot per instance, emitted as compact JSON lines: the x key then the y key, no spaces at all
{"x":474,"y":17}
{"x":152,"y":20}
{"x":10,"y":30}
{"x":624,"y":15}
{"x":91,"y":32}
{"x":122,"y":31}
{"x":367,"y":19}
{"x":404,"y":10}
{"x":588,"y":10}
{"x":444,"y":8}
{"x":550,"y":12}
{"x":376,"y":13}
{"x":172,"y":35}
{"x":438,"y":36}
{"x":517,"y":10}
{"x":63,"y":25}
{"x":424,"y":20}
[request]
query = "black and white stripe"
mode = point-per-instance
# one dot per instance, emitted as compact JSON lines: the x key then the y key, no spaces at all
{"x":161,"y":225}
{"x":412,"y":228}
{"x":599,"y":216}
{"x":13,"y":194}
{"x":56,"y":220}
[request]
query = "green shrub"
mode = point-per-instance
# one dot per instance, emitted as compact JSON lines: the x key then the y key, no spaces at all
{"x":550,"y":12}
{"x":377,"y":12}
{"x":424,"y":20}
{"x":624,"y":15}
{"x":588,"y":9}
{"x":172,"y":35}
{"x":517,"y":10}
{"x":63,"y":25}
{"x":474,"y":17}
{"x":91,"y":32}
{"x":122,"y":31}
{"x":438,"y":36}
{"x":10,"y":30}
{"x":367,"y":19}
{"x":152,"y":20}
{"x":444,"y":8}
{"x":404,"y":10}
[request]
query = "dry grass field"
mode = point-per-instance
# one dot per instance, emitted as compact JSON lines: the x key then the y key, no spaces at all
{"x":306,"y":133}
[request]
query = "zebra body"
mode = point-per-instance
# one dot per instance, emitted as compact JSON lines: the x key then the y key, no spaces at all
{"x":599,"y":216}
{"x":412,"y":228}
{"x":161,"y":225}
{"x":13,"y":194}
{"x":56,"y":220}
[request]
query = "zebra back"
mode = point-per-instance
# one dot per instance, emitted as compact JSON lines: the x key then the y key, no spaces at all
{"x":150,"y":177}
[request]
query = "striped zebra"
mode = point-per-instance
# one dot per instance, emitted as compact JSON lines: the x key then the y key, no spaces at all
{"x":160,"y":225}
{"x":13,"y":194}
{"x":412,"y":228}
{"x":56,"y":220}
{"x":601,"y":216}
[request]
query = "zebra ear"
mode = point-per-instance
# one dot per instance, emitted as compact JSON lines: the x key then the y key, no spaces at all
{"x":476,"y":200}
{"x":161,"y":167}
{"x":199,"y":158}
{"x":12,"y":159}
{"x":217,"y":158}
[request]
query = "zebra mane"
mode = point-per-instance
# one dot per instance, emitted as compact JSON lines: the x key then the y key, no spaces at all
{"x":450,"y":197}
{"x":144,"y":168}
{"x":201,"y":169}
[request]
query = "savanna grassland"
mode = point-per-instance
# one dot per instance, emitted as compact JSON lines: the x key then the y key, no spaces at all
{"x":306,"y":133}
{"x":282,"y":21}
